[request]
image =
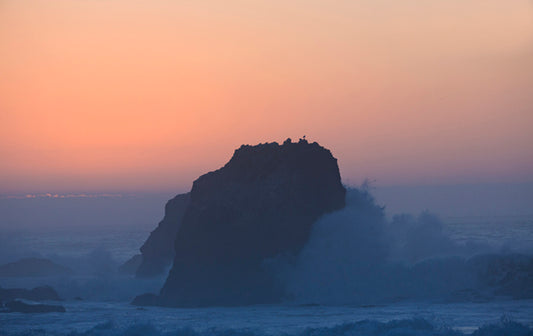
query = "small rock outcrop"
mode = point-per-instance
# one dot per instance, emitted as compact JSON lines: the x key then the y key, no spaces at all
{"x":17,"y":306}
{"x":260,"y":205}
{"x":43,"y":293}
{"x":33,"y":267}
{"x":507,"y":275}
{"x":158,"y":250}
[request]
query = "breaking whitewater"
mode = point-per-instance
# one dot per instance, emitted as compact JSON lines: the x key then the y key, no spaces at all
{"x":108,"y":318}
{"x":358,"y":275}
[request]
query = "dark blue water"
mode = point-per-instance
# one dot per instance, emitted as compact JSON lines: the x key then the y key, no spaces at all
{"x":105,"y":308}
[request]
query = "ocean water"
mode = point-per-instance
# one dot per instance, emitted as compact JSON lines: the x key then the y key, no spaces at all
{"x":507,"y":232}
{"x":98,"y":318}
{"x":120,"y":243}
{"x":502,"y":232}
{"x":105,"y":309}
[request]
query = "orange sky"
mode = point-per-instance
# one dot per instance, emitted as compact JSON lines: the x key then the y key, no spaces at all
{"x":125,"y":95}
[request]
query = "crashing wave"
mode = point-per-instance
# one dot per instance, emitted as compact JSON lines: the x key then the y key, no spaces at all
{"x":411,"y":327}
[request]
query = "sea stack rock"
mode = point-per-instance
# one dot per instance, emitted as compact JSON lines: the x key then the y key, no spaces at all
{"x":158,"y":250}
{"x":260,"y":205}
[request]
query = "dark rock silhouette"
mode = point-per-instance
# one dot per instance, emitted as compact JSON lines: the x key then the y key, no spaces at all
{"x":147,"y":299}
{"x":507,"y":275}
{"x":158,"y":250}
{"x":21,"y":307}
{"x":481,"y":278}
{"x":260,"y":205}
{"x":131,"y":265}
{"x":33,"y":267}
{"x":42,"y":293}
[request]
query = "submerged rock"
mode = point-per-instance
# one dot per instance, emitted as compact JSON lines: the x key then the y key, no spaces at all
{"x":42,"y":293}
{"x":33,"y":267}
{"x":21,"y":307}
{"x":260,"y":205}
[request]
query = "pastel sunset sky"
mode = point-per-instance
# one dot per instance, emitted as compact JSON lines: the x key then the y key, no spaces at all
{"x":125,"y":95}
